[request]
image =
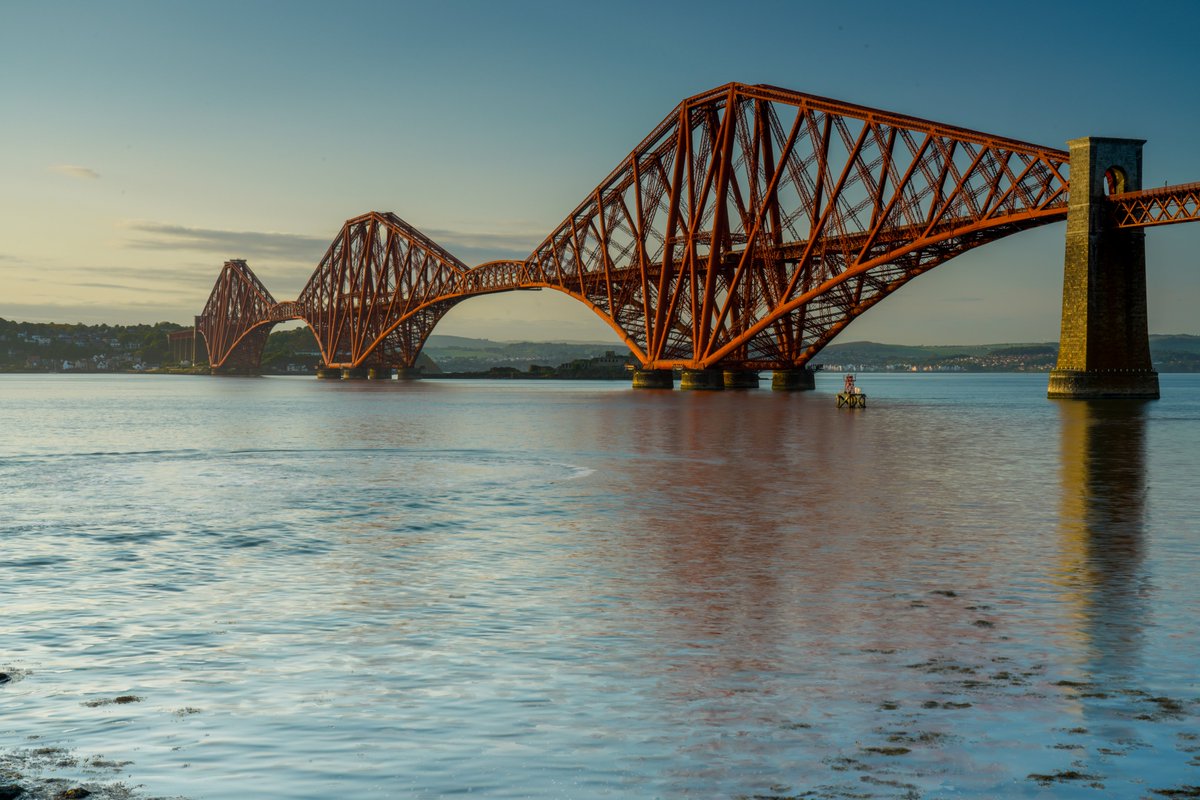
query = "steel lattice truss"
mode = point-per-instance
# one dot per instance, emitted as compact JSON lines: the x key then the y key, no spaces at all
{"x":233,"y":317}
{"x":755,"y":223}
{"x":1161,"y":206}
{"x":749,"y":228}
{"x":379,"y":291}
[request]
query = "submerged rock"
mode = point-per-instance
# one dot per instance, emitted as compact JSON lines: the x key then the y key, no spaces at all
{"x":1182,"y":791}
{"x":122,"y":700}
{"x":1062,"y":776}
{"x":888,"y":751}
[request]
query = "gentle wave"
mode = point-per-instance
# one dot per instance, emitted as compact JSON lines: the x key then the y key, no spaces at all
{"x":317,"y":594}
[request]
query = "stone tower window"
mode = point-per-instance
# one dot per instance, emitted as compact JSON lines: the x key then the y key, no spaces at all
{"x":1114,"y":180}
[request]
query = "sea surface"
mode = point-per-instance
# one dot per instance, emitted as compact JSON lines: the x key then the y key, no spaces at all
{"x":224,"y":588}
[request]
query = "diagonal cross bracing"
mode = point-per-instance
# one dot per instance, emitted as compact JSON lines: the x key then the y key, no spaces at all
{"x":747,"y":229}
{"x":1161,"y":206}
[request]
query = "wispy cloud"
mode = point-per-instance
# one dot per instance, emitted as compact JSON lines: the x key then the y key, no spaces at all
{"x":75,"y":171}
{"x":91,"y":313}
{"x":198,"y":276}
{"x":475,"y":247}
{"x":228,"y":244}
{"x":192,"y":281}
{"x":471,"y":246}
{"x":158,"y":291}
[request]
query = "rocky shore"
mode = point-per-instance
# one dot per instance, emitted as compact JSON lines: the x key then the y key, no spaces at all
{"x":34,"y":772}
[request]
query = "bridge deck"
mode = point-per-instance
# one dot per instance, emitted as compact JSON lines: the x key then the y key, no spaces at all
{"x":1163,"y":205}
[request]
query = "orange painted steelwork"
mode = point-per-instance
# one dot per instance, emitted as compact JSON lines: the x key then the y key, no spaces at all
{"x":1162,"y":206}
{"x":747,"y":230}
{"x":378,"y":292}
{"x":234,"y":320}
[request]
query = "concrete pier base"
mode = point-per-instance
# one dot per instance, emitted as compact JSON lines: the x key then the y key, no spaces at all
{"x":408,"y":373}
{"x":329,"y":373}
{"x":1103,"y":385}
{"x":355,"y":373}
{"x":379,"y":374}
{"x":653,"y":379}
{"x":793,"y":380}
{"x":741,"y":379}
{"x":702,"y":380}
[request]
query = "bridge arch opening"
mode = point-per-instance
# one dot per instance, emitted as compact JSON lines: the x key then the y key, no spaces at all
{"x":291,"y":344}
{"x":534,"y":315}
{"x":1115,"y":181}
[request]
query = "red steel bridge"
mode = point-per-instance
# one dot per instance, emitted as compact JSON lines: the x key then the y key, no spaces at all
{"x":743,"y":233}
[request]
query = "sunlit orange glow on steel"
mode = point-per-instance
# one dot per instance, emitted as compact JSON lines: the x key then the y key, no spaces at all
{"x":235,"y":319}
{"x":746,"y":230}
{"x":1162,"y":206}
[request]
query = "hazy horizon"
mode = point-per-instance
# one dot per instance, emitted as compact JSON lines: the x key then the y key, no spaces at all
{"x":614,"y":342}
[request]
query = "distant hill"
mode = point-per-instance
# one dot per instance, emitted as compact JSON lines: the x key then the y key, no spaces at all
{"x":27,"y":346}
{"x":1169,"y":353}
{"x":462,"y":354}
{"x":60,"y":347}
{"x":1175,"y":343}
{"x":1002,"y":357}
{"x":1177,"y":352}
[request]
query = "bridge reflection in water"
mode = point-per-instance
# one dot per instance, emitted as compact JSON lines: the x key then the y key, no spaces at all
{"x":1102,"y":519}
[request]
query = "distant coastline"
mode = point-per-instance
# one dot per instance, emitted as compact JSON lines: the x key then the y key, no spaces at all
{"x":30,"y":347}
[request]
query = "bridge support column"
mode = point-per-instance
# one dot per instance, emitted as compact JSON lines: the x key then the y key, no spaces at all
{"x":355,"y":373}
{"x":702,"y":380}
{"x":329,"y":373}
{"x":741,"y":379}
{"x":793,"y":380}
{"x":408,"y":373}
{"x":379,"y":373}
{"x":1104,"y":349}
{"x":653,"y":379}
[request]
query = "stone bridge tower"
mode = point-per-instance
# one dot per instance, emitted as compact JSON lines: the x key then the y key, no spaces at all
{"x":1104,"y":349}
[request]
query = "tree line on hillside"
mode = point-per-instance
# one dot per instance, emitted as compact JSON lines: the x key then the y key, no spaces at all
{"x":57,"y":347}
{"x":1169,"y":353}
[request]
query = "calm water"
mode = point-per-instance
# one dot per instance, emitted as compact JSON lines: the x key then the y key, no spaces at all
{"x":369,"y":590}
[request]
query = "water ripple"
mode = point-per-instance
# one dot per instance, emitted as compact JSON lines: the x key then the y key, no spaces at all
{"x":599,"y":593}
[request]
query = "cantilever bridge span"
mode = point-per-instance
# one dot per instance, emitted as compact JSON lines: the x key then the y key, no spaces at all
{"x":744,"y":232}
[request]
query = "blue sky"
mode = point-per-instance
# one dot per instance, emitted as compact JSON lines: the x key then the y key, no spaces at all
{"x":143,"y":144}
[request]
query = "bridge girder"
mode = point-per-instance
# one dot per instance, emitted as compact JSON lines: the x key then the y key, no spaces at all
{"x":237,"y":319}
{"x":747,"y":229}
{"x":754,"y":223}
{"x":1164,"y":205}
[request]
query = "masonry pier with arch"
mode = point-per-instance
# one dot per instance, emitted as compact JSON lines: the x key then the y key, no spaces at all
{"x":1104,"y":348}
